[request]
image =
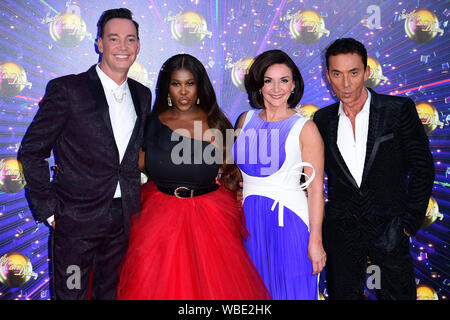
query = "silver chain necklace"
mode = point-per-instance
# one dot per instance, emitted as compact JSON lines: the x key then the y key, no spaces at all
{"x":119,"y":100}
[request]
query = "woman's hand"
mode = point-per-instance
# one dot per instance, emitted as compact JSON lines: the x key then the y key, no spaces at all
{"x":141,"y":160}
{"x":317,"y":255}
{"x":239,"y":193}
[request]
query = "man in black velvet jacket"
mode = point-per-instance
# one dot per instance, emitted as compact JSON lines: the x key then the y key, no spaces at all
{"x":380,"y":176}
{"x":94,"y":123}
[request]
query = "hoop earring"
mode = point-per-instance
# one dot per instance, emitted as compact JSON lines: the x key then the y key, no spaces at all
{"x":169,"y":101}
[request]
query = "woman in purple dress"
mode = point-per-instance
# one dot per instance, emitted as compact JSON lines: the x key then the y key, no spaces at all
{"x":275,"y":148}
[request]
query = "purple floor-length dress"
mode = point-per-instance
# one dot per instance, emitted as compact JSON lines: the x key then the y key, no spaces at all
{"x":275,"y":205}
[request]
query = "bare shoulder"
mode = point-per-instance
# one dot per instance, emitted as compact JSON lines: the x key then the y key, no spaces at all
{"x":241,"y":120}
{"x":310,"y":128}
{"x":163,"y":115}
{"x":310,"y":134}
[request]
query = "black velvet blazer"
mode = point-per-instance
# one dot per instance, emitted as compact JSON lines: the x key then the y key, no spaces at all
{"x":73,"y":120}
{"x":398,"y":171}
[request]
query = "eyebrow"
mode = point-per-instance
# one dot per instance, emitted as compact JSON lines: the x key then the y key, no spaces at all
{"x":353,"y":69}
{"x":280,"y":78}
{"x":175,"y":79}
{"x":116,"y":35}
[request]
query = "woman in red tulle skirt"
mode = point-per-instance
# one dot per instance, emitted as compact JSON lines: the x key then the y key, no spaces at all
{"x":188,"y":249}
{"x":186,"y":243}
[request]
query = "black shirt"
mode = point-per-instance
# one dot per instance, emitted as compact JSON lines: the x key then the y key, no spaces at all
{"x":179,"y":162}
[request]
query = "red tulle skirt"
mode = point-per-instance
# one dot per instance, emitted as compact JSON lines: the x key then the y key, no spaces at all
{"x":188,"y":249}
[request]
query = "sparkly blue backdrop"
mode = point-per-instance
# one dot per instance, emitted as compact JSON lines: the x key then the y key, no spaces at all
{"x":41,"y":40}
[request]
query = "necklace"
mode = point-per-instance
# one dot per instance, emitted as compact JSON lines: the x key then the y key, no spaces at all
{"x":120,"y":99}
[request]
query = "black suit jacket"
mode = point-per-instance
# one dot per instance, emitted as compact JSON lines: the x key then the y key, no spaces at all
{"x":73,"y":120}
{"x":397,"y":149}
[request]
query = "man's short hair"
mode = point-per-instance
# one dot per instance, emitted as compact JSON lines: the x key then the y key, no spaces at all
{"x":122,"y":13}
{"x":347,"y":45}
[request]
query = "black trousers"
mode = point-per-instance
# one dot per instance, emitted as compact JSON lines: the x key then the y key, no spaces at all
{"x":75,"y":258}
{"x":349,"y":244}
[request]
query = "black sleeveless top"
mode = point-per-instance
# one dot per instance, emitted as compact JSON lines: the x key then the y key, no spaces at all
{"x":174,"y":163}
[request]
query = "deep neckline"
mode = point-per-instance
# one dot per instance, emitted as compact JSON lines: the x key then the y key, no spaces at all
{"x":273,"y":121}
{"x":174,"y":131}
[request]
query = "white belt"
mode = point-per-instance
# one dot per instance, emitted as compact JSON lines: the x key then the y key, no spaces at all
{"x":271,"y":188}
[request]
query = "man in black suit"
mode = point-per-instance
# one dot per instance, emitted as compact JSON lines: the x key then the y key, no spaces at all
{"x":380,"y":176}
{"x":94,"y":123}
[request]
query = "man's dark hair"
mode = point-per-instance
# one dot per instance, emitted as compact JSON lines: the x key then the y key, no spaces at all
{"x":347,"y":45}
{"x":122,"y":13}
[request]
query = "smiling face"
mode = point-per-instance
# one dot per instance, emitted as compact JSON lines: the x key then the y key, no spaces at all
{"x":278,"y":84}
{"x":347,"y":76}
{"x":119,"y":46}
{"x":183,"y":89}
